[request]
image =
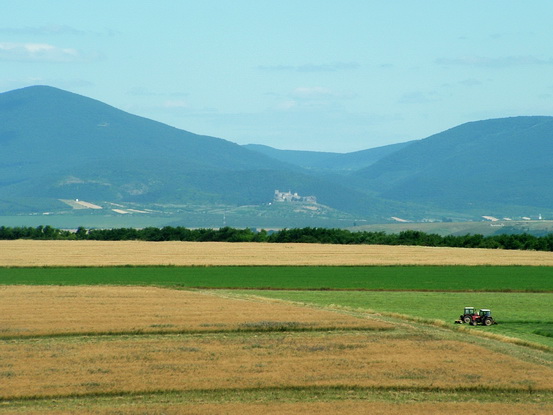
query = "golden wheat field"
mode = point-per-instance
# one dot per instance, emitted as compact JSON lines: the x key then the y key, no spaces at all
{"x":105,"y":253}
{"x":44,"y":310}
{"x":88,"y":350}
{"x":69,"y":366}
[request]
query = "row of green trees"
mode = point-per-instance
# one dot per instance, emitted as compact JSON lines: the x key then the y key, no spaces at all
{"x":297,"y":235}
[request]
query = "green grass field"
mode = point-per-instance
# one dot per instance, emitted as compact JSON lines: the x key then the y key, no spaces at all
{"x":527,"y":316}
{"x":387,"y":278}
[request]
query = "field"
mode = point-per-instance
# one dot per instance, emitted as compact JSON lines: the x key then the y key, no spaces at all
{"x":335,"y":339}
{"x":101,"y":253}
{"x":150,"y":310}
{"x":388,"y":278}
{"x":525,"y":316}
{"x":130,"y":349}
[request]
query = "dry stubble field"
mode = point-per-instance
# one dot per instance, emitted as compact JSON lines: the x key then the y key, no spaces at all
{"x":103,"y":253}
{"x":153,"y":350}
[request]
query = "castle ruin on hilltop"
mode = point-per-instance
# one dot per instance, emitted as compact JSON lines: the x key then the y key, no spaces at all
{"x":293,"y":197}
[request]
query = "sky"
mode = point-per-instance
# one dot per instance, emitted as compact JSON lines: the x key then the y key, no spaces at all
{"x":325,"y":75}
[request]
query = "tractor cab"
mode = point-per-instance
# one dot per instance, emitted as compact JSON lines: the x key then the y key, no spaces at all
{"x":468,"y":312}
{"x":484,"y":313}
{"x":483,"y":317}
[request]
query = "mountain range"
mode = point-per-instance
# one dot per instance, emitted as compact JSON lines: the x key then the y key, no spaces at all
{"x":329,"y":162}
{"x":59,"y":145}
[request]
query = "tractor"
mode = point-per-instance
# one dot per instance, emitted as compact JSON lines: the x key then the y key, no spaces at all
{"x":483,"y":317}
{"x":466,"y":317}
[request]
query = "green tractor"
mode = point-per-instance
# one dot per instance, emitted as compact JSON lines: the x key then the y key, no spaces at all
{"x":483,"y":317}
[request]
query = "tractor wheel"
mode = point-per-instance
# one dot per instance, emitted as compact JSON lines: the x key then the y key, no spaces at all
{"x":473,"y":323}
{"x":488,"y":322}
{"x":466,"y":319}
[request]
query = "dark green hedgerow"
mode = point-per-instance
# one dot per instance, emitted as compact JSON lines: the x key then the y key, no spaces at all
{"x":299,"y":235}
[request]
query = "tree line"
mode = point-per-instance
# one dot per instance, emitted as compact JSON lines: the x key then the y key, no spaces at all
{"x":522,"y":241}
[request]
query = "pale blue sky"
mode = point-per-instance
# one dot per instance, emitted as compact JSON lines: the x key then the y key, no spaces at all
{"x":328,"y":75}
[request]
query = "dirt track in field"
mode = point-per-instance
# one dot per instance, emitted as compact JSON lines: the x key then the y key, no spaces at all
{"x":341,"y":407}
{"x":22,"y":253}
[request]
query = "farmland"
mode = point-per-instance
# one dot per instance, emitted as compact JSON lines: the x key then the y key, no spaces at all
{"x":388,"y":278}
{"x":526,"y":316}
{"x":120,"y":253}
{"x":376,"y":338}
{"x":150,"y":310}
{"x":223,"y":351}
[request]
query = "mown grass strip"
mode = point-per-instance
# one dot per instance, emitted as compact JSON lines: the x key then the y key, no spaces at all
{"x":301,"y":393}
{"x":470,"y":330}
{"x":378,"y":278}
{"x":544,"y":332}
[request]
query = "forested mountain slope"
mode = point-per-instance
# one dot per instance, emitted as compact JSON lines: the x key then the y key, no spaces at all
{"x":58,"y":145}
{"x":497,"y":163}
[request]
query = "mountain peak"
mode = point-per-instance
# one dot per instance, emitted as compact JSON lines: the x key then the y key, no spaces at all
{"x":36,"y":91}
{"x":61,"y":145}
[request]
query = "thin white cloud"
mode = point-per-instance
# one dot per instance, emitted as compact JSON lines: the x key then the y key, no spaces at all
{"x":39,"y":52}
{"x":499,"y":62}
{"x":310,"y":67}
{"x":42,"y":30}
{"x":287,"y":105}
{"x":318,"y":92}
{"x":175,"y":103}
{"x":311,"y":97}
{"x":418,"y":97}
{"x":54,"y":30}
{"x":470,"y":82}
{"x":145,"y":92}
{"x":329,"y":67}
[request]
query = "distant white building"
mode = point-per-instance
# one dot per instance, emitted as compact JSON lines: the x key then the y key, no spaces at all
{"x":293,"y":197}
